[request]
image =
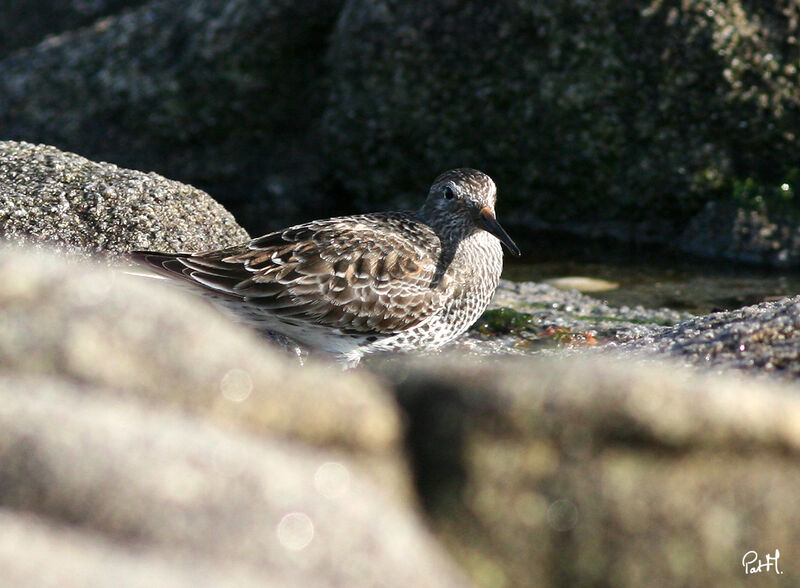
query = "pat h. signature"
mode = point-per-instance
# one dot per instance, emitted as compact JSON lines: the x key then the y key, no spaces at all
{"x":754,"y":565}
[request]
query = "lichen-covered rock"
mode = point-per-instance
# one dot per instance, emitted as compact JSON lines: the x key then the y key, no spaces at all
{"x":580,"y":110}
{"x":33,"y":20}
{"x":736,"y":233}
{"x":623,"y":117}
{"x":225,"y":96}
{"x":63,"y":200}
{"x":543,"y":472}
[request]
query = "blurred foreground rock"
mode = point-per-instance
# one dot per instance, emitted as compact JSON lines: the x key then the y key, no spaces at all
{"x":197,"y":500}
{"x":151,"y":343}
{"x":143,"y":427}
{"x":595,"y":473}
{"x":40,"y":553}
{"x":142,"y":432}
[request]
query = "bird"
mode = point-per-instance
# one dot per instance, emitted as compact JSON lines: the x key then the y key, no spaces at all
{"x":357,"y":285}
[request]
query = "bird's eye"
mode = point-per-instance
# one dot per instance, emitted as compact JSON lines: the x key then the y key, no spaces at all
{"x":449,"y":193}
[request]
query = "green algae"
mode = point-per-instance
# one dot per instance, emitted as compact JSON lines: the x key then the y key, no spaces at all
{"x":505,"y":320}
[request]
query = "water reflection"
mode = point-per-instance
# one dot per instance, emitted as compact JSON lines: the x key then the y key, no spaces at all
{"x":681,"y":284}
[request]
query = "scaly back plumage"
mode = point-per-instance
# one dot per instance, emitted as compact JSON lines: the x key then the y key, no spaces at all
{"x":341,"y":272}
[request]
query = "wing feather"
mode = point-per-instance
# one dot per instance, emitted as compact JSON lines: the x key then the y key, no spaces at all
{"x":361,"y":274}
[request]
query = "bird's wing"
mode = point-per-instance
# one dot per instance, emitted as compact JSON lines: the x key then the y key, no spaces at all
{"x":360,"y":274}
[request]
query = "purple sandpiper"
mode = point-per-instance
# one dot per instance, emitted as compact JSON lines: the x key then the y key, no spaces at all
{"x":356,"y":285}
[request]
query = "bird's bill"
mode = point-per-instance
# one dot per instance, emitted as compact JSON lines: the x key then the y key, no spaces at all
{"x":488,"y":222}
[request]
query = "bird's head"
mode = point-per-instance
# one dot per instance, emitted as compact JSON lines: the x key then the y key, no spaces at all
{"x":465,"y":197}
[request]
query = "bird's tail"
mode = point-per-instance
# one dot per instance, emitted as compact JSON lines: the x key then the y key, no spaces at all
{"x":164,"y":265}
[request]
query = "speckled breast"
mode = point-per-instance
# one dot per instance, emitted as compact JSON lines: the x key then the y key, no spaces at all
{"x":475,"y":274}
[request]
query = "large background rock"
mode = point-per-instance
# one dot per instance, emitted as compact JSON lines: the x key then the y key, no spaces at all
{"x":616,"y":118}
{"x":743,"y":233}
{"x":223,"y":95}
{"x":60,"y":199}
{"x":628,"y":110}
{"x":34,"y":19}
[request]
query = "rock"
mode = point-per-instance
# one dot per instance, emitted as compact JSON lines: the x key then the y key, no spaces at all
{"x":278,"y":107}
{"x":762,"y":339}
{"x":181,"y":502}
{"x":543,"y":472}
{"x":37,"y":552}
{"x":167,"y":349}
{"x":60,"y":199}
{"x":183,"y":439}
{"x":528,"y":309}
{"x":222,"y":95}
{"x":35,"y":19}
{"x":735,"y":233}
{"x":547,"y":98}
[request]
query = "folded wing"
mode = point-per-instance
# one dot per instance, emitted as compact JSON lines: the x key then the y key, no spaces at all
{"x":360,"y":274}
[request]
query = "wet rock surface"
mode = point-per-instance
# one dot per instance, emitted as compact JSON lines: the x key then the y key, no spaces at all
{"x":762,"y":339}
{"x":526,"y":317}
{"x":570,"y":308}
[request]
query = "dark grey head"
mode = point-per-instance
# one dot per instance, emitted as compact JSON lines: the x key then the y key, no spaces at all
{"x":463,"y":199}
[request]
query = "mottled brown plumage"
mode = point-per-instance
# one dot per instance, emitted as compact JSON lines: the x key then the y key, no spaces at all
{"x":364,"y":283}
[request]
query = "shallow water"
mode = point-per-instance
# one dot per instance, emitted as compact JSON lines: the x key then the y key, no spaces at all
{"x":654,"y":281}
